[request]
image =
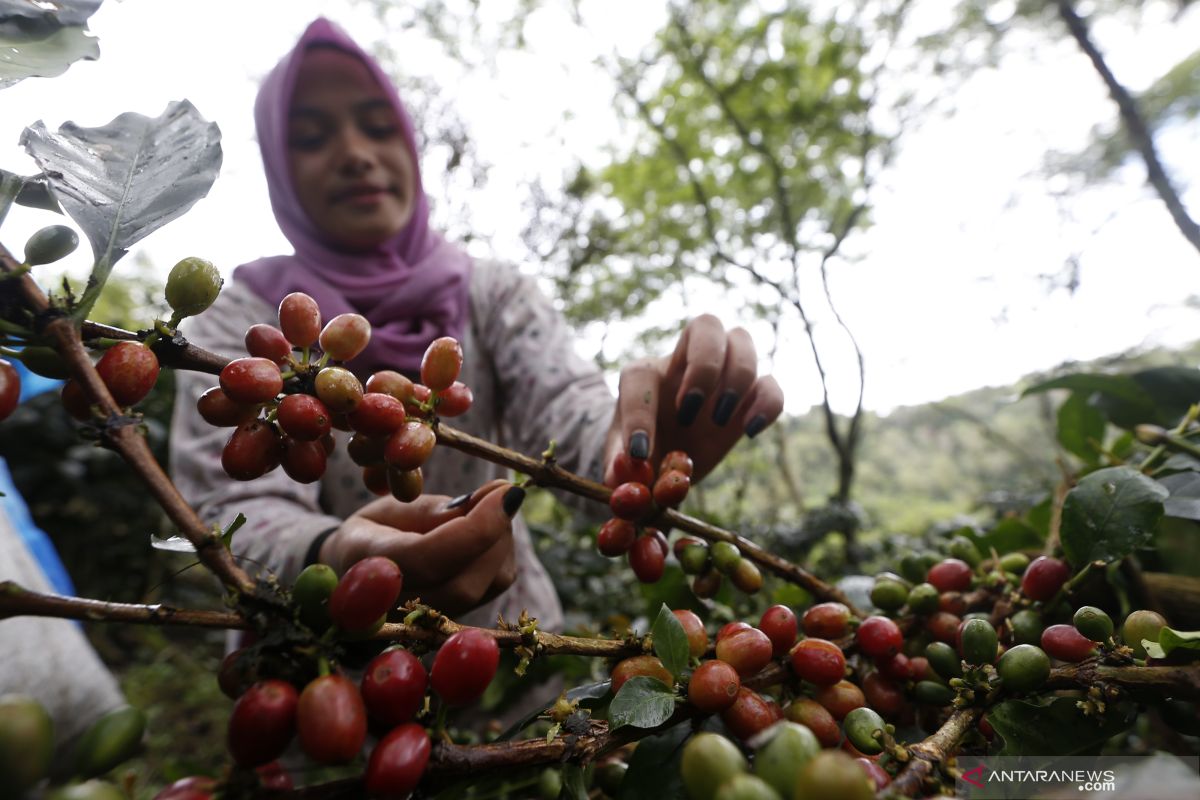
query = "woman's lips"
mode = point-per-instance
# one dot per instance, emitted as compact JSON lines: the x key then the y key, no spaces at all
{"x":362,"y":195}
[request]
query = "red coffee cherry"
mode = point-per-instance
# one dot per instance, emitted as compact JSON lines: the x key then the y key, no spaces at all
{"x":300,"y":319}
{"x":129,"y":370}
{"x":694,"y":628}
{"x":267,"y":341}
{"x":645,"y":666}
{"x":464,"y":667}
{"x":405,"y":485}
{"x":303,"y":417}
{"x":950,"y":575}
{"x":1066,"y":643}
{"x":377,"y":415}
{"x":252,"y":450}
{"x":217,"y":409}
{"x":730,"y":628}
{"x":882,"y":695}
{"x":345,"y":336}
{"x":367,"y":591}
{"x":747,"y":651}
{"x":627,"y":469}
{"x":393,"y":687}
{"x":397,"y":762}
{"x":898,"y":667}
{"x":455,"y":401}
{"x":826,"y":621}
{"x":304,"y":462}
{"x":441,"y":363}
{"x":779,"y":624}
{"x":879,"y":637}
{"x":410,"y":446}
{"x":388,"y":381}
{"x":944,"y":627}
{"x":671,"y":488}
{"x":251,"y":380}
{"x":331,"y":720}
{"x":262,"y":723}
{"x":819,"y":661}
{"x":1044,"y":577}
{"x":713,"y":686}
{"x":748,"y":714}
{"x":647,"y":559}
{"x":10,"y":388}
{"x":840,"y":699}
{"x":615,"y":537}
{"x":816,"y":718}
{"x":630,"y":501}
{"x":676,"y":460}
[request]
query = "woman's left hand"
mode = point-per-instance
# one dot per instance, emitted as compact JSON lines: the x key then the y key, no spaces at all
{"x":701,"y":399}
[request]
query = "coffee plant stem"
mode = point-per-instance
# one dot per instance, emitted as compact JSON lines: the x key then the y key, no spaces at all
{"x":18,"y":601}
{"x":930,"y":752}
{"x":125,"y":438}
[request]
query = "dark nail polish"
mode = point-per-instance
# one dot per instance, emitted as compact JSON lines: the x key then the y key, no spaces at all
{"x":755,"y":426}
{"x":690,"y":407}
{"x":513,"y":499}
{"x":723,"y":410}
{"x":639,"y":445}
{"x":457,"y":502}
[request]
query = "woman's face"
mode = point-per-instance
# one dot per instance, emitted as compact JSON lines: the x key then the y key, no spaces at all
{"x":349,"y":161}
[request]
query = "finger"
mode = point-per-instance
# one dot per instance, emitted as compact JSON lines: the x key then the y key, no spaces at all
{"x":762,"y":406}
{"x":421,"y":515}
{"x":448,"y":549}
{"x":696,"y":366}
{"x":505,"y":577}
{"x":741,"y":367}
{"x":637,"y":405}
{"x":471,"y":587}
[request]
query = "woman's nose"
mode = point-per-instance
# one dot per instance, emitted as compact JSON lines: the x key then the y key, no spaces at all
{"x":355,"y":155}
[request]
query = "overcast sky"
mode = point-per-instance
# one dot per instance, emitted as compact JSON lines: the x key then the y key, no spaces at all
{"x":946,"y":294}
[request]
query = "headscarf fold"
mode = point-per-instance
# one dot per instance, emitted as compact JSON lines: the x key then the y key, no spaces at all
{"x":412,"y":288}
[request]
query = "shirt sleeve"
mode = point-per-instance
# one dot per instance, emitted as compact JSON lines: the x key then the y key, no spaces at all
{"x":545,"y":389}
{"x":283,"y":517}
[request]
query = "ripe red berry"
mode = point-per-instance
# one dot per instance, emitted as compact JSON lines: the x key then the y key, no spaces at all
{"x":455,"y":401}
{"x":303,"y":417}
{"x":262,"y":723}
{"x":628,"y":469}
{"x":375,"y":478}
{"x":615,"y":537}
{"x":365,"y":451}
{"x":464,"y":666}
{"x":713,"y":686}
{"x":377,"y":415}
{"x":397,"y":762}
{"x":879,"y":637}
{"x":129,"y":370}
{"x":730,"y":628}
{"x":345,"y":336}
{"x":252,"y":450}
{"x":366,"y":592}
{"x":1066,"y":643}
{"x":441,"y":363}
{"x":390,"y":382}
{"x":1044,"y":577}
{"x":694,"y":628}
{"x":393,"y":687}
{"x":882,"y":694}
{"x":405,"y":485}
{"x":251,"y":380}
{"x":300,"y":319}
{"x":630,"y":501}
{"x":267,"y":341}
{"x":747,"y":651}
{"x":10,"y":388}
{"x":950,"y":575}
{"x":647,"y":559}
{"x":646,"y":666}
{"x":217,"y":409}
{"x":818,"y":661}
{"x":410,"y":445}
{"x":826,"y":620}
{"x":779,"y":624}
{"x":331,"y":720}
{"x":944,"y":626}
{"x":840,"y":699}
{"x":676,"y":460}
{"x":671,"y":488}
{"x":304,"y":462}
{"x":748,"y":714}
{"x":815,"y":717}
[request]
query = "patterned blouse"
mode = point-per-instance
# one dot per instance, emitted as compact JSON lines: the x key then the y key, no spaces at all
{"x":529,"y":386}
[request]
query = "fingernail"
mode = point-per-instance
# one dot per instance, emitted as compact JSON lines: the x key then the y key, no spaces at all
{"x":726,"y":403}
{"x":755,"y":426}
{"x":639,"y":445}
{"x":457,"y":502}
{"x":513,"y":499}
{"x":690,"y":407}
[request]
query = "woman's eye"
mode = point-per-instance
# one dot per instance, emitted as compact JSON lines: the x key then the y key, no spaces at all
{"x":306,"y":142}
{"x":380,"y":131}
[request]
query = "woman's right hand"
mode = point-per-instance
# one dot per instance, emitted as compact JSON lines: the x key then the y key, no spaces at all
{"x":454,"y":559}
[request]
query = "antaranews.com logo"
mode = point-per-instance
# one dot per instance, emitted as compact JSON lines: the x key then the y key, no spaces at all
{"x":1161,"y":777}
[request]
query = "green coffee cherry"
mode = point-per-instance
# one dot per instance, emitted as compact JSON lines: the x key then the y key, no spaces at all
{"x":1027,"y":627}
{"x":45,"y":361}
{"x":311,"y":593}
{"x":609,"y":776}
{"x":931,"y":693}
{"x":725,"y":557}
{"x":88,"y":790}
{"x":111,"y":740}
{"x":913,"y":567}
{"x":860,"y":726}
{"x":889,"y":594}
{"x":550,"y":784}
{"x":979,"y":642}
{"x":694,"y":558}
{"x":944,"y":660}
{"x":50,"y":244}
{"x":1014,"y":562}
{"x":963,"y":548}
{"x":1093,"y":623}
{"x":833,"y":773}
{"x":746,"y":787}
{"x":1023,"y":668}
{"x":1139,"y":625}
{"x":779,"y":761}
{"x":26,"y":743}
{"x":923,"y":599}
{"x":192,"y":286}
{"x":708,"y":761}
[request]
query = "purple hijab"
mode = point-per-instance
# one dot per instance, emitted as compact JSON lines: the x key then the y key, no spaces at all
{"x":413,"y":288}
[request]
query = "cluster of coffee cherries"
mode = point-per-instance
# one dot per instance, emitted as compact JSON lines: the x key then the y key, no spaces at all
{"x":633,"y":503}
{"x":284,"y":399}
{"x":330,"y":714}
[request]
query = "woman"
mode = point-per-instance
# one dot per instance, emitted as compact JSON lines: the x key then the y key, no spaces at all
{"x":345,"y":186}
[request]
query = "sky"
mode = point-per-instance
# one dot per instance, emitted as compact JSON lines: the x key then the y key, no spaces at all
{"x":945,"y":293}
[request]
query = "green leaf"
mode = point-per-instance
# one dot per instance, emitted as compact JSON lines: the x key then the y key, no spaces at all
{"x":122,"y":181}
{"x":1183,"y":500}
{"x":1058,"y":728}
{"x":227,"y":536}
{"x":1170,"y":640}
{"x":46,"y":55}
{"x":590,"y":691}
{"x":1174,"y":390}
{"x":670,"y":641}
{"x":643,"y":702}
{"x":1081,"y":427}
{"x":1006,"y":536}
{"x":1125,"y":402}
{"x":654,"y":768}
{"x":575,"y":785}
{"x":1109,"y":514}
